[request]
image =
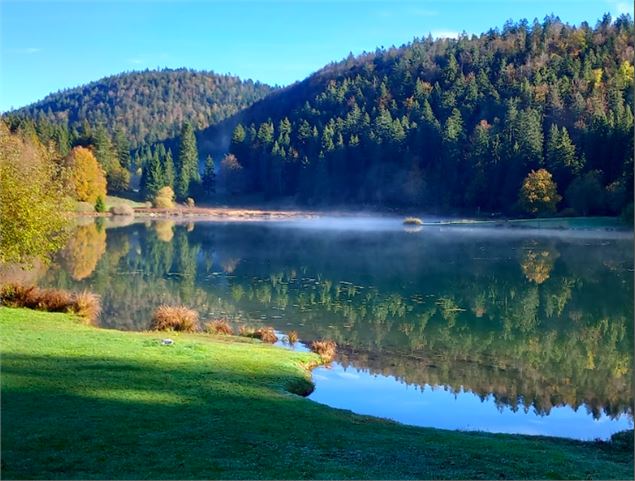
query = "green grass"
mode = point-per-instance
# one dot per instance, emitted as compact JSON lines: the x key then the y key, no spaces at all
{"x":83,"y":402}
{"x":550,"y":223}
{"x":113,"y":201}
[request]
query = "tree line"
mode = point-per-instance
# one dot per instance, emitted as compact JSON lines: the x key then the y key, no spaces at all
{"x":530,"y":119}
{"x":457,"y":125}
{"x":149,"y":106}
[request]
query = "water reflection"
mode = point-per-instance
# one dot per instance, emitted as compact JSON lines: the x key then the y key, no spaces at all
{"x":84,"y":249}
{"x":526,"y":322}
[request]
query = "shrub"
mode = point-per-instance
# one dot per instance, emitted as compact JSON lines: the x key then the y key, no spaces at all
{"x":84,"y":304}
{"x":219,"y":326}
{"x":265,"y":334}
{"x":18,"y":295}
{"x":245,"y":331}
{"x":54,"y":300}
{"x":292,"y":336}
{"x":87,"y":305}
{"x":122,"y":209}
{"x":325,"y":349}
{"x":190,"y":202}
{"x":100,"y":205}
{"x":412,"y":221}
{"x":174,"y":318}
{"x":164,"y":198}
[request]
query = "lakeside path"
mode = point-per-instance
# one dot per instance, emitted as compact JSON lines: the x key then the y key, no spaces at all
{"x":81,"y":402}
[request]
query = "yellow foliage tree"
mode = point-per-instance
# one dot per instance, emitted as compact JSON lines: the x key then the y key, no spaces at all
{"x":86,"y":175}
{"x":625,"y":75}
{"x":84,"y":249}
{"x":539,"y":193}
{"x":164,"y":198}
{"x":33,"y":206}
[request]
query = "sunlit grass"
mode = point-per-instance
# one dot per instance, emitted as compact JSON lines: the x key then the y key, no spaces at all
{"x":82,"y":402}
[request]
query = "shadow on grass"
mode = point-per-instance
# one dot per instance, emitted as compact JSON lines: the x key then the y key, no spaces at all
{"x":97,"y":417}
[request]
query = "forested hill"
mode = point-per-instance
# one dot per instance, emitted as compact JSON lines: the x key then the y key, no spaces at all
{"x":151,"y":105}
{"x":456,"y":124}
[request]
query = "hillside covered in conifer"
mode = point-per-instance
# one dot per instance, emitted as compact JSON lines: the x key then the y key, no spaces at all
{"x":452,"y":124}
{"x":148,"y":106}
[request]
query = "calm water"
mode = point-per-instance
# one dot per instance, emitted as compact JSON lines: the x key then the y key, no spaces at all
{"x":462,"y":328}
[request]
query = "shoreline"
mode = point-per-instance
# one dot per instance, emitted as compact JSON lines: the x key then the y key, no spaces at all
{"x":231,"y":214}
{"x":226,"y":407}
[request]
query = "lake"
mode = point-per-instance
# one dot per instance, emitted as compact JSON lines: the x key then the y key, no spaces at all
{"x":502,"y":330}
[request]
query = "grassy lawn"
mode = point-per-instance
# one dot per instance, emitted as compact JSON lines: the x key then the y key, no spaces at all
{"x":82,"y":402}
{"x":587,"y":223}
{"x":113,"y":201}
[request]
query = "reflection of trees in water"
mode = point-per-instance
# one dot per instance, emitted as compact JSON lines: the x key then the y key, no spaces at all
{"x":563,"y":339}
{"x":526,"y":388}
{"x":84,"y":249}
{"x":229,"y":265}
{"x":164,"y":230}
{"x":537,"y":262}
{"x":22,"y":274}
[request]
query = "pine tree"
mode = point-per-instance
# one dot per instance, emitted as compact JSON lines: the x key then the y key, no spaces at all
{"x":168,"y":169}
{"x":103,"y":147}
{"x":209,"y":177}
{"x":560,"y":156}
{"x":122,"y":148}
{"x":187,"y":168}
{"x":152,"y":178}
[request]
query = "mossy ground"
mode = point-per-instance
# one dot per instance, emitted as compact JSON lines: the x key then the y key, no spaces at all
{"x":82,"y":402}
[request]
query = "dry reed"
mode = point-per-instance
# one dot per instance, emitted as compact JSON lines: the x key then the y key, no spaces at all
{"x":174,"y":318}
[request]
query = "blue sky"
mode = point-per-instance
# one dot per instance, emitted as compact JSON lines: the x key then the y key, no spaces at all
{"x":47,"y":46}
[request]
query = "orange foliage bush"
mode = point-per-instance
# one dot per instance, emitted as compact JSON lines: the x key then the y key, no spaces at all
{"x":174,"y":318}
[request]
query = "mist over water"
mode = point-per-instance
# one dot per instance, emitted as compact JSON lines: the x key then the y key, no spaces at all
{"x":461,"y":327}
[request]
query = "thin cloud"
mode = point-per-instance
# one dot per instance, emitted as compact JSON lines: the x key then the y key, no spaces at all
{"x":25,"y":50}
{"x":444,"y":34}
{"x":624,"y":7}
{"x":619,"y":7}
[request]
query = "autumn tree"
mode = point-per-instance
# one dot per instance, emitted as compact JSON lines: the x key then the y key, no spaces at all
{"x":231,"y":174}
{"x":33,"y":204}
{"x":539,"y":193}
{"x":164,"y":198}
{"x":86,"y":175}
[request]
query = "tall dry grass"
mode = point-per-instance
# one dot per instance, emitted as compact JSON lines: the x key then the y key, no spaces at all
{"x":219,"y":326}
{"x":292,"y":337}
{"x":87,"y":305}
{"x":84,"y":304}
{"x":265,"y":334}
{"x":174,"y":318}
{"x":325,"y":349}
